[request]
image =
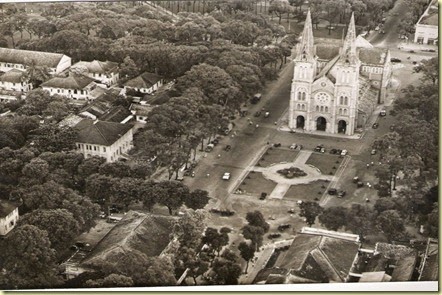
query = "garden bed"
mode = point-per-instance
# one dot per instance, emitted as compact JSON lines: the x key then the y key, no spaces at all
{"x":307,"y":192}
{"x":325,"y":162}
{"x":275,"y":156}
{"x":255,"y":184}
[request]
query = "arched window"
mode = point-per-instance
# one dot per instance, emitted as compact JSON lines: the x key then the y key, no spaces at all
{"x":326,"y":109}
{"x":298,"y":106}
{"x":303,"y":107}
{"x":346,"y":100}
{"x":340,"y":111}
{"x":345,"y":111}
{"x":322,"y":108}
{"x":299,"y":95}
{"x":303,"y":96}
{"x":341,"y":100}
{"x":317,"y":108}
{"x":348,"y":77}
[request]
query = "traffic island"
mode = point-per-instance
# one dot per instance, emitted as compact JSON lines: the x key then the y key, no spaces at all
{"x":276,"y":155}
{"x":325,"y":162}
{"x":254,"y":184}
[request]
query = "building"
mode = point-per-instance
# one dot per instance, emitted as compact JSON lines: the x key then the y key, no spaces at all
{"x":103,"y":72}
{"x":136,"y":231}
{"x":13,"y":85}
{"x":76,"y":87}
{"x":21,"y":59}
{"x":141,"y":111}
{"x":146,"y":83}
{"x":109,"y":140}
{"x":429,"y":267}
{"x":8,"y":216}
{"x":336,"y":86}
{"x":427,"y":28}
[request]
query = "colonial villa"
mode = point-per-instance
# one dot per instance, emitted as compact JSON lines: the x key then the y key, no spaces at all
{"x":109,"y":140}
{"x":13,"y":81}
{"x":336,"y":86}
{"x":145,"y":83}
{"x":8,"y":216}
{"x":427,"y":28}
{"x":104,"y":72}
{"x":77,"y":87}
{"x":21,"y":59}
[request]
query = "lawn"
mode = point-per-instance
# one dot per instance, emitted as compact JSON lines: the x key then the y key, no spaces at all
{"x":325,"y":162}
{"x":307,"y":192}
{"x":277,"y":155}
{"x":255,"y":184}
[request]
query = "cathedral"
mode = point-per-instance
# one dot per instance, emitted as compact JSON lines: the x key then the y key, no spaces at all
{"x":336,"y":84}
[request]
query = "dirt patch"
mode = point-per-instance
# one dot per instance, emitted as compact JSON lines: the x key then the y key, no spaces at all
{"x":307,"y":192}
{"x":254,"y":184}
{"x":277,"y":155}
{"x":326,"y":163}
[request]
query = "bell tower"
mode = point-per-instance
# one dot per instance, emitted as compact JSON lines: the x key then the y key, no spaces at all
{"x":303,"y":76}
{"x":347,"y":83}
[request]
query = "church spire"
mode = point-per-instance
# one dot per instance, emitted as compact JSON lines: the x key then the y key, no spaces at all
{"x":349,"y":47}
{"x":305,"y":48}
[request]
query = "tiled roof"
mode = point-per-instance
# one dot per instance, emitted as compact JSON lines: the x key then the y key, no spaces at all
{"x":18,"y":56}
{"x":97,"y":66}
{"x":101,"y":133}
{"x":12,"y":76}
{"x":70,"y":120}
{"x":376,"y":56}
{"x":145,"y":80}
{"x":6,"y":207}
{"x":71,"y":82}
{"x":146,"y":233}
{"x":116,"y":114}
{"x":141,"y":110}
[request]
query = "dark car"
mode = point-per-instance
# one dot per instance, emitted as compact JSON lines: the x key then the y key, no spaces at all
{"x":257,"y":114}
{"x":360,"y":184}
{"x":283,"y":227}
{"x":341,"y":194}
{"x":263,"y":196}
{"x":274,"y":236}
{"x":394,"y":59}
{"x":355,"y":179}
{"x":332,"y":191}
{"x":333,"y":151}
{"x":277,"y":144}
{"x":227,"y":148}
{"x":375,"y":125}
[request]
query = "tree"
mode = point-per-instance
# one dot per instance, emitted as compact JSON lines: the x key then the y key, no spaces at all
{"x":170,"y":194}
{"x":429,"y":69}
{"x":27,"y":259}
{"x":126,"y":191}
{"x":226,"y":269}
{"x":53,"y":138}
{"x":279,"y":8}
{"x":310,"y":210}
{"x":247,"y":252}
{"x":111,"y":281}
{"x":360,"y":220}
{"x":128,"y":69}
{"x":197,"y":199}
{"x":193,"y":262}
{"x":333,"y":218}
{"x":61,"y":232}
{"x":215,"y":239}
{"x":391,"y":224}
{"x":256,"y":218}
{"x":255,"y":234}
{"x":36,"y":170}
{"x":189,"y":228}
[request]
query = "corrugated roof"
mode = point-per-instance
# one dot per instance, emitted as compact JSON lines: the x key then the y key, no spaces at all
{"x":12,"y":76}
{"x":101,"y":133}
{"x":72,"y":82}
{"x":375,"y":56}
{"x":97,"y":66}
{"x":18,"y":56}
{"x":145,"y":80}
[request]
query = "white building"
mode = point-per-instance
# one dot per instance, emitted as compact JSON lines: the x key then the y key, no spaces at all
{"x":109,"y":140}
{"x":8,"y":216}
{"x":141,"y":111}
{"x":21,"y":59}
{"x":336,"y":86}
{"x":146,"y":83}
{"x":13,"y":81}
{"x":77,"y":87}
{"x":427,"y":28}
{"x":104,"y":72}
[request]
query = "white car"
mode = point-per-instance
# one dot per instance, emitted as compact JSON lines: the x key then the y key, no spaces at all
{"x":226,"y":176}
{"x":293,"y":146}
{"x":344,"y":152}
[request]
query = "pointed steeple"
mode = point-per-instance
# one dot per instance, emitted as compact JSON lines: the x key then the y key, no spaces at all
{"x":305,"y":47}
{"x":349,"y":47}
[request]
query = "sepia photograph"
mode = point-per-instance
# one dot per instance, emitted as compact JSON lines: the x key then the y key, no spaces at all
{"x":219,"y":145}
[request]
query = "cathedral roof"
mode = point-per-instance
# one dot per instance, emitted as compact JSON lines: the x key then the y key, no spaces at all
{"x":376,"y":56}
{"x":361,"y":42}
{"x":327,"y":51}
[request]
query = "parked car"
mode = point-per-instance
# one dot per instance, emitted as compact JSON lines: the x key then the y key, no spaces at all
{"x":360,"y":184}
{"x":333,"y":151}
{"x":373,"y":152}
{"x":293,"y":146}
{"x":332,"y":191}
{"x":274,"y":236}
{"x":256,"y":98}
{"x":322,"y":150}
{"x":257,"y":114}
{"x":226,"y":176}
{"x":291,"y":211}
{"x":344,"y":152}
{"x":383,"y":113}
{"x":282,"y":227}
{"x":355,"y":179}
{"x":209,"y":147}
{"x":266,"y":114}
{"x":277,"y":144}
{"x":341,"y":194}
{"x":394,"y":59}
{"x":375,"y":125}
{"x":263,"y":196}
{"x":227,"y":148}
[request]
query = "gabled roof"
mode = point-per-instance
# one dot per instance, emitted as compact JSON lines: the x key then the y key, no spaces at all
{"x":374,"y":56}
{"x":101,"y":132}
{"x":116,"y":114}
{"x":404,"y":258}
{"x":361,"y":42}
{"x":71,"y":82}
{"x":97,"y":108}
{"x":6,"y":207}
{"x":141,"y":110}
{"x":97,"y":66}
{"x":145,"y":80}
{"x":431,"y":16}
{"x":18,"y":56}
{"x":12,"y":76}
{"x":146,"y":233}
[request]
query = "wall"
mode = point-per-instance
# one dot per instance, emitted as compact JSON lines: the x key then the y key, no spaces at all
{"x":9,"y":222}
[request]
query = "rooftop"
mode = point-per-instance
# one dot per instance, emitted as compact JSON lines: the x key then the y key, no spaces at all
{"x":147,"y":233}
{"x":376,"y":56}
{"x":141,"y":110}
{"x":116,"y":114}
{"x":375,"y":276}
{"x":431,"y":15}
{"x":97,"y":66}
{"x":101,"y":132}
{"x":12,"y":76}
{"x":145,"y":80}
{"x":18,"y":56}
{"x":430,"y":271}
{"x":6,"y":207}
{"x":70,"y":82}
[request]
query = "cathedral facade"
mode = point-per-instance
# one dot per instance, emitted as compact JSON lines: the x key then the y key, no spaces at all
{"x":336,"y":85}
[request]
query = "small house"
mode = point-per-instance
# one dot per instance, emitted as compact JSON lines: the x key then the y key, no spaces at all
{"x":8,"y":216}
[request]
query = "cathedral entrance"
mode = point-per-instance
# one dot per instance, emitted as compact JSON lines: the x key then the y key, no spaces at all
{"x":342,"y":126}
{"x":321,"y":124}
{"x":300,"y":121}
